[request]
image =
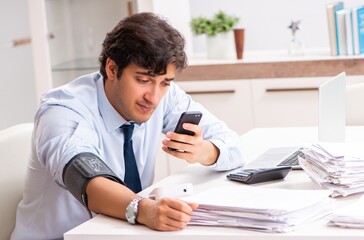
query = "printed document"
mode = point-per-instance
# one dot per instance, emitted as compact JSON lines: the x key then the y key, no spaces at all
{"x":260,"y":209}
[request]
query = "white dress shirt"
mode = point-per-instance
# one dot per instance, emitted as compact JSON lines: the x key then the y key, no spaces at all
{"x":77,"y":118}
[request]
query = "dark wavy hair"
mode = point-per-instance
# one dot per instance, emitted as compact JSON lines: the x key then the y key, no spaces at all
{"x":146,"y":40}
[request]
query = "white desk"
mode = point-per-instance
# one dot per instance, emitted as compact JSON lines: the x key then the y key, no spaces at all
{"x":254,"y":142}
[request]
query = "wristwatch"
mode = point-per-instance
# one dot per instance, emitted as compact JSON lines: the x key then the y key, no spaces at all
{"x":131,"y":211}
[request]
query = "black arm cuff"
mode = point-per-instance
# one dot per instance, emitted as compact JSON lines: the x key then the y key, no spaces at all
{"x":80,"y":170}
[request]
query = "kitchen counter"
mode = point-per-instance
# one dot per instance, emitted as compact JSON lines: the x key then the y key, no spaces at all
{"x":277,"y":65}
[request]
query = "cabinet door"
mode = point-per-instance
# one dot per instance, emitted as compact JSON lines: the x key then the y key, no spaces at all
{"x":289,"y":102}
{"x":286,"y":102}
{"x":79,"y":28}
{"x":229,"y":100}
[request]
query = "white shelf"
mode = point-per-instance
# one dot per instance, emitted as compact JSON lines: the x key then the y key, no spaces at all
{"x":272,"y":56}
{"x":78,"y":65}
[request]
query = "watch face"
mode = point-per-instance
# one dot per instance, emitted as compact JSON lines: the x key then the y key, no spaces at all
{"x":131,"y":211}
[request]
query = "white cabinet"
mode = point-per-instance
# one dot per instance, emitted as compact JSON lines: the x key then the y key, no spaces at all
{"x":229,"y":100}
{"x":285,"y":102}
{"x":288,"y":102}
{"x":274,"y":102}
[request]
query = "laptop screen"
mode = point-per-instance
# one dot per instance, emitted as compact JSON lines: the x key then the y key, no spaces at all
{"x":332,"y":102}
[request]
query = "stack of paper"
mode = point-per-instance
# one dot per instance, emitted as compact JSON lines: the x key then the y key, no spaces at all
{"x":260,"y":209}
{"x":336,"y":166}
{"x":351,"y":216}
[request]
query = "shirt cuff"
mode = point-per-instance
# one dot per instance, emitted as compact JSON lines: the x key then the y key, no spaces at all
{"x":224,"y":161}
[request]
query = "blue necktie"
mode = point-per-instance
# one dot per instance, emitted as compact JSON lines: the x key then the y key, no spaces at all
{"x":132,"y":179}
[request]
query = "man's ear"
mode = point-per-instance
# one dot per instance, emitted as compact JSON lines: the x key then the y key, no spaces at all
{"x":111,"y":69}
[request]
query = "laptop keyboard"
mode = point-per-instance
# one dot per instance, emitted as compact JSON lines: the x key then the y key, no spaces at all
{"x":292,"y":160}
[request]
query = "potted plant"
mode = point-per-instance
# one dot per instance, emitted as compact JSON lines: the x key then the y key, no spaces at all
{"x":220,"y":38}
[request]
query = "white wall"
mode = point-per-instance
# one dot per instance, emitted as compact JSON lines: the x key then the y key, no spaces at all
{"x":178,"y":14}
{"x":17,"y":91}
{"x":267,"y":21}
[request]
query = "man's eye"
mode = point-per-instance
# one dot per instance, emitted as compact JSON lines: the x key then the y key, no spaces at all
{"x":143,"y":80}
{"x":166,"y":84}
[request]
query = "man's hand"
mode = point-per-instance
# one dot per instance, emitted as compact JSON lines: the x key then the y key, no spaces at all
{"x":111,"y":198}
{"x":166,"y":214}
{"x":194,"y":148}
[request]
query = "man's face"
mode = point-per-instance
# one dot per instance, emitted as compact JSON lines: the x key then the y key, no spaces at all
{"x":136,"y":94}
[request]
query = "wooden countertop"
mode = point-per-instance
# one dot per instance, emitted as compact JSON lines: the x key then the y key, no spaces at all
{"x":276,"y":69}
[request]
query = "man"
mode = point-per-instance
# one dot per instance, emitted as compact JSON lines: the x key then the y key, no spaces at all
{"x":77,"y":166}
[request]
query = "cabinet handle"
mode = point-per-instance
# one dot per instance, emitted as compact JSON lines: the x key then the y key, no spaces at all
{"x":211,"y":92}
{"x":291,"y":89}
{"x":22,"y":41}
{"x":130,"y":8}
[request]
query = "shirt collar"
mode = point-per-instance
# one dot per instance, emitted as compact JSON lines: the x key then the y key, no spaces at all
{"x":110,"y":116}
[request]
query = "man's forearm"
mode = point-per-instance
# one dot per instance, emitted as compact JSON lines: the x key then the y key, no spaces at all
{"x":108,"y":197}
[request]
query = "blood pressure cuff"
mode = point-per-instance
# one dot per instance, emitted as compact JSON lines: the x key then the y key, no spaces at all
{"x":80,"y":170}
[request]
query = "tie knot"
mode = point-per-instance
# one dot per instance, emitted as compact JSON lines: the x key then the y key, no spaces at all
{"x":128,"y":131}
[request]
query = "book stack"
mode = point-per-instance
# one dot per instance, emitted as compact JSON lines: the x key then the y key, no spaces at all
{"x":346,"y":29}
{"x":338,"y":167}
{"x":259,"y":209}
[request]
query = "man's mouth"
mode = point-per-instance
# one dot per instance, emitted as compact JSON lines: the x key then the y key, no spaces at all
{"x":145,"y":108}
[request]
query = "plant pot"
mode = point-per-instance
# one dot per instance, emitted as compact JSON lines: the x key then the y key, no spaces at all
{"x":239,"y":42}
{"x":221,"y":46}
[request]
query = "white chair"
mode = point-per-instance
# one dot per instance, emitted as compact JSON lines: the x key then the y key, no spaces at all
{"x":14,"y":153}
{"x":354,"y":104}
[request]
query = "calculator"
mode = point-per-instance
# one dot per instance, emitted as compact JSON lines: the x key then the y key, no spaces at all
{"x":257,"y":175}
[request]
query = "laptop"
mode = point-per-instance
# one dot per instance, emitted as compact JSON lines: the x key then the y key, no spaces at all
{"x":331,"y":126}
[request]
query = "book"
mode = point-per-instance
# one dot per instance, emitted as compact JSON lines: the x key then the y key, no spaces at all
{"x":354,"y":20}
{"x":341,"y":32}
{"x":349,"y":32}
{"x":331,"y":10}
{"x":360,"y":13}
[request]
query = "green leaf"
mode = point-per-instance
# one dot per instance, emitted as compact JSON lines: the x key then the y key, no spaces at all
{"x":221,"y":22}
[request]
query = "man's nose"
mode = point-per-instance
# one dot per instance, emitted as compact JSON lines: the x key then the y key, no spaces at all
{"x":153,"y":95}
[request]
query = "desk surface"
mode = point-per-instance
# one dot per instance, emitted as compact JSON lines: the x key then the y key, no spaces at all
{"x":254,"y":142}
